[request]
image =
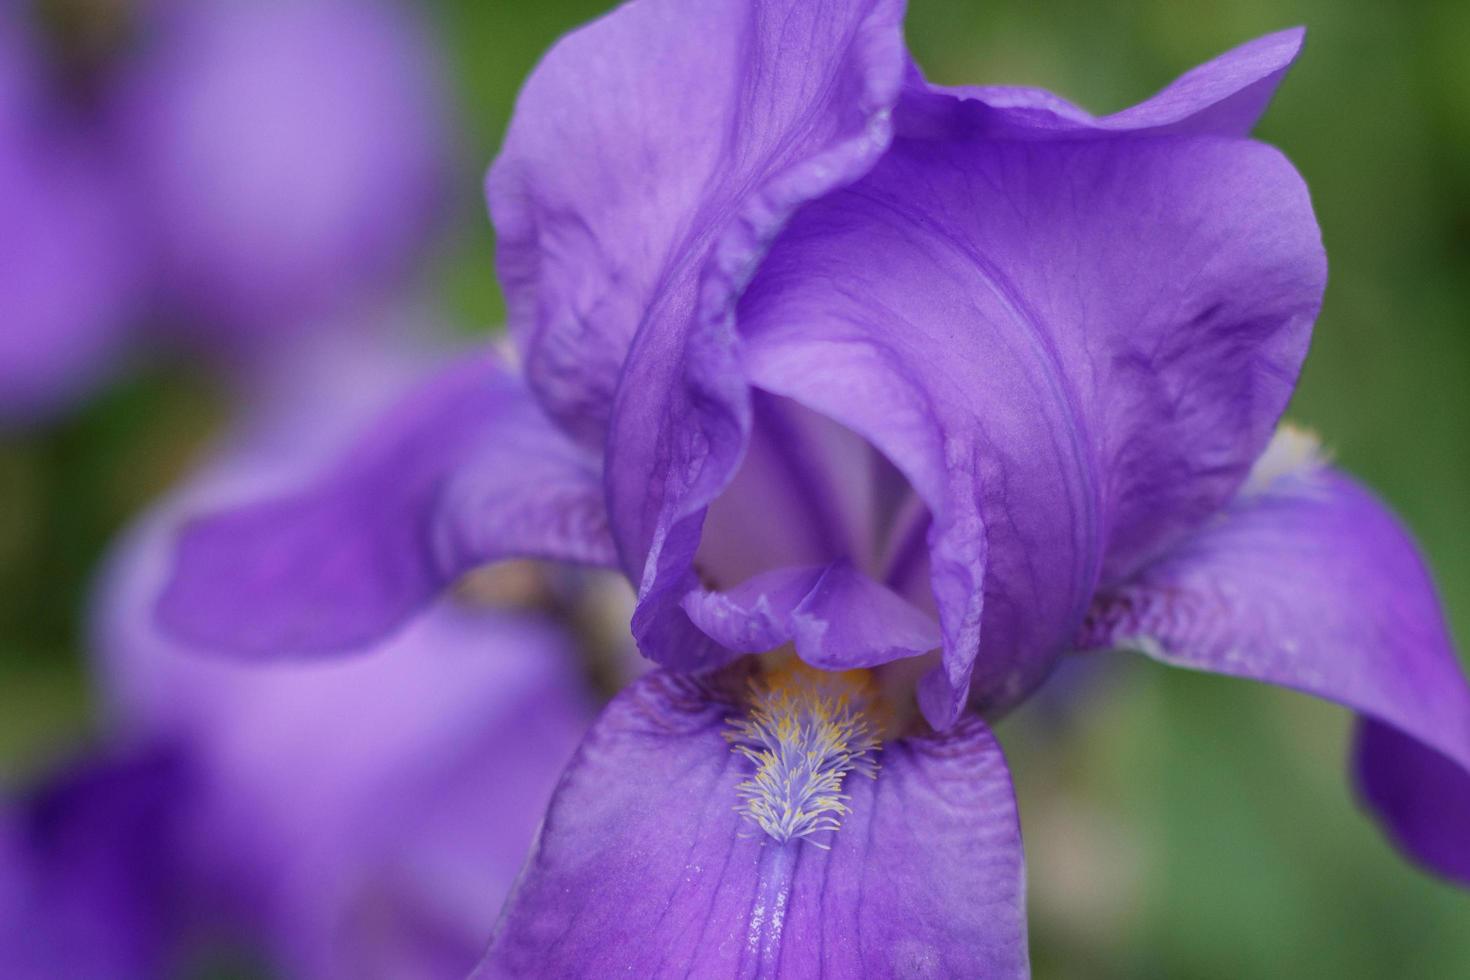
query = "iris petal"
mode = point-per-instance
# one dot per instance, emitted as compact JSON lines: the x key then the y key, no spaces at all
{"x":1072,"y":349}
{"x":1421,"y":796}
{"x":644,"y":867}
{"x":465,"y":470}
{"x":1225,"y":96}
{"x":1310,"y":583}
{"x":837,"y":617}
{"x":663,"y":138}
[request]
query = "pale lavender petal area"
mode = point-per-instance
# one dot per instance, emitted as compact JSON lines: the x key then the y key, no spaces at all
{"x":293,"y":156}
{"x":87,"y":866}
{"x":1225,"y":96}
{"x":1421,"y":796}
{"x":464,"y":470}
{"x":1309,"y":582}
{"x":659,"y":147}
{"x":1072,"y":349}
{"x":644,"y":868}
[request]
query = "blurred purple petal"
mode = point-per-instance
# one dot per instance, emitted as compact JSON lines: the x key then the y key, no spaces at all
{"x":665,"y":142}
{"x":464,"y":471}
{"x":361,"y":817}
{"x":364,"y":816}
{"x":293,"y":155}
{"x":70,"y":278}
{"x":87,"y":866}
{"x":1309,"y":582}
{"x":644,"y":867}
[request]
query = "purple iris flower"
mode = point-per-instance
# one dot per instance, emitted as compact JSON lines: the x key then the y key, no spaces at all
{"x":363,"y":817}
{"x":221,"y":172}
{"x":923,"y":386}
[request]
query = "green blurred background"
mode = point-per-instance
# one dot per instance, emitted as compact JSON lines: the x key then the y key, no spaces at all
{"x":1177,"y":826}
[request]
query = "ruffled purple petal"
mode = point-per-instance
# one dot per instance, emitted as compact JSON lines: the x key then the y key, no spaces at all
{"x":1076,"y":347}
{"x":662,"y":140}
{"x":1072,"y":349}
{"x":1224,"y":97}
{"x":464,"y":471}
{"x":1309,"y":582}
{"x":644,"y":868}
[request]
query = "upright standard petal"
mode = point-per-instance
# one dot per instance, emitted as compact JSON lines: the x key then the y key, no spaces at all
{"x":665,"y":139}
{"x":1223,"y":97}
{"x":1072,"y":349}
{"x":1309,"y":582}
{"x":644,"y":866}
{"x":465,"y":470}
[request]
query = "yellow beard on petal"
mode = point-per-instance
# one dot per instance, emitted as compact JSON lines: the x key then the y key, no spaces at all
{"x":804,"y":731}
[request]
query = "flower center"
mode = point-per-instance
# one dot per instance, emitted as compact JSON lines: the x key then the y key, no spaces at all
{"x":805,"y":730}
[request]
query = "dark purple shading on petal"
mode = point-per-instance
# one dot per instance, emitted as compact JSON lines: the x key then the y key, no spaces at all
{"x":662,"y":139}
{"x":645,"y":869}
{"x":1422,"y":797}
{"x":1072,"y":349}
{"x":1310,"y":582}
{"x":465,"y":470}
{"x":86,"y":870}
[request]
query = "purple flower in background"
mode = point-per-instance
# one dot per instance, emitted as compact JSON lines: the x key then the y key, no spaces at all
{"x":928,"y":386}
{"x":359,"y":818}
{"x":362,"y":817}
{"x":224,"y":172}
{"x":292,"y":155}
{"x":86,"y":867}
{"x":69,"y":277}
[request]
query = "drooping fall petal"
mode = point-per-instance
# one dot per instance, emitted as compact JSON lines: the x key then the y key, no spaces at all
{"x":644,"y":866}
